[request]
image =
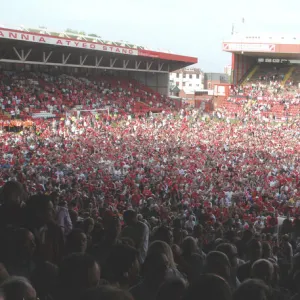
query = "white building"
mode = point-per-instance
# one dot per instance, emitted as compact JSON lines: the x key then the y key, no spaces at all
{"x":227,"y":70}
{"x":189,"y":80}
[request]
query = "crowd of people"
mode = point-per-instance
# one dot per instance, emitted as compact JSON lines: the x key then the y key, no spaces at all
{"x":176,"y":206}
{"x":22,"y":93}
{"x":266,"y":95}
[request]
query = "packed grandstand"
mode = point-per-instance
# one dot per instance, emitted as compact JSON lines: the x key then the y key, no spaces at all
{"x":111,"y":189}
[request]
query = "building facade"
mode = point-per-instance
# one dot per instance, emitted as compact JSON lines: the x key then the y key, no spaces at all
{"x":210,"y":79}
{"x":227,"y":70}
{"x":188,"y":80}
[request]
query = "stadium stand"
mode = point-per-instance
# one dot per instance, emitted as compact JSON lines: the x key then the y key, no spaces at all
{"x":24,"y":94}
{"x":272,"y":91}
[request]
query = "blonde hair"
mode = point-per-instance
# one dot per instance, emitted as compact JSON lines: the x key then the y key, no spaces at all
{"x":161,"y":247}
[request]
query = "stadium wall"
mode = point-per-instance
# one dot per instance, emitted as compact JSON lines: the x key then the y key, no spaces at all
{"x":241,"y":65}
{"x":158,"y":82}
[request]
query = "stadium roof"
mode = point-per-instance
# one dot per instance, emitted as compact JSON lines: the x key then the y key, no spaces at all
{"x":70,"y":34}
{"x":264,"y":46}
{"x":69,"y":39}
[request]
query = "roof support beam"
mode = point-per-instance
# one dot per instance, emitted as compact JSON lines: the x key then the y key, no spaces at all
{"x":125,"y":63}
{"x":25,"y":56}
{"x":22,"y":55}
{"x":149,"y":64}
{"x":137,"y":64}
{"x":17,"y":53}
{"x":46,"y":57}
{"x":112,"y":62}
{"x":65,"y":59}
{"x":160,"y":65}
{"x":82,"y":60}
{"x":98,"y":61}
{"x":75,"y":66}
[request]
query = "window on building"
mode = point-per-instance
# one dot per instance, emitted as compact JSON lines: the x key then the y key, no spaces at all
{"x":190,"y":84}
{"x":197,"y":84}
{"x":184,"y":75}
{"x":209,"y":85}
{"x":191,"y":76}
{"x":177,"y":75}
{"x":197,"y":76}
{"x":177,"y":83}
{"x":183,"y":84}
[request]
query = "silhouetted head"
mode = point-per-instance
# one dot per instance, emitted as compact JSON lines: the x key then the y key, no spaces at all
{"x":209,"y":287}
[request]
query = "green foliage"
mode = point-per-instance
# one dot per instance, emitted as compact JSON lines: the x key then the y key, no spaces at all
{"x":81,"y":32}
{"x":69,"y":30}
{"x":34,"y":30}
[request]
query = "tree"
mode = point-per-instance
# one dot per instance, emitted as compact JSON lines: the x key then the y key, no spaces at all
{"x":81,"y":32}
{"x":71,"y":31}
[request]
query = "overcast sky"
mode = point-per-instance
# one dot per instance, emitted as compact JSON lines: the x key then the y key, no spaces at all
{"x":190,"y":27}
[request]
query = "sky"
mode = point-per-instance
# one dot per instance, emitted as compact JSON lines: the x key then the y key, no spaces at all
{"x":190,"y":27}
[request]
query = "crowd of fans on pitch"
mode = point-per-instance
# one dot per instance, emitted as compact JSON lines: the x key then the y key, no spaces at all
{"x":174,"y":207}
{"x":178,"y":206}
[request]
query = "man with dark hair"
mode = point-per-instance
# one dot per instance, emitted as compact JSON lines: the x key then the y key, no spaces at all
{"x":11,"y":213}
{"x":154,"y":272}
{"x":44,"y":278}
{"x":76,"y":241}
{"x":254,"y":254}
{"x":242,"y":245}
{"x":12,"y":195}
{"x":137,"y":231}
{"x":218,"y":263}
{"x":17,"y":288}
{"x":19,"y":261}
{"x":231,"y":252}
{"x":48,"y":235}
{"x":209,"y":287}
{"x":252,"y":289}
{"x":77,"y":273}
{"x":263,"y":269}
{"x":172,"y":289}
{"x":106,"y":293}
{"x":122,"y":267}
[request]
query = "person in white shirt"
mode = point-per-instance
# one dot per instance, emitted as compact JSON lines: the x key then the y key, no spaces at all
{"x":190,"y":223}
{"x":259,"y":225}
{"x":63,"y":218}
